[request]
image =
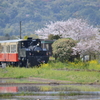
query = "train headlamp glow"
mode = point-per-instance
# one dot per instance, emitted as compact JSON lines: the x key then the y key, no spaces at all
{"x":38,"y":44}
{"x":38,"y":51}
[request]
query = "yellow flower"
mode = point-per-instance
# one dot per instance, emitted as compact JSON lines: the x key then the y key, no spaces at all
{"x":93,"y":62}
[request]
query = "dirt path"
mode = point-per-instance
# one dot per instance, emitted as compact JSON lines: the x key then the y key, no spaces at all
{"x":38,"y":81}
{"x":42,"y":80}
{"x":31,"y":81}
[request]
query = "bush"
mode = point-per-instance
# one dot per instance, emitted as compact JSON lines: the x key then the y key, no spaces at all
{"x":54,"y":37}
{"x":62,"y":49}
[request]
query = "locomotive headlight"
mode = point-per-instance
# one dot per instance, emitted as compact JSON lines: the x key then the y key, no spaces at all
{"x":30,"y":54}
{"x":38,"y":44}
{"x":38,"y":51}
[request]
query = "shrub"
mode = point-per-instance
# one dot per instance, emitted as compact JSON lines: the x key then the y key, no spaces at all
{"x":62,"y":49}
{"x":52,"y":37}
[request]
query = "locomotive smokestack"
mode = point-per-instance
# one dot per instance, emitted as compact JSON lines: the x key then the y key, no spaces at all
{"x":20,"y":30}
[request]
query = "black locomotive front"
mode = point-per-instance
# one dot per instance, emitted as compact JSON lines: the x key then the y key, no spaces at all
{"x":31,"y":53}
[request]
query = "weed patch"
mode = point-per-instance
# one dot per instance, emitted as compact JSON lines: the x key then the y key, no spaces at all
{"x":77,"y":72}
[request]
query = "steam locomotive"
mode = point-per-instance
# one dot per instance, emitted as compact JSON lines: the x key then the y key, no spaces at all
{"x":23,"y":53}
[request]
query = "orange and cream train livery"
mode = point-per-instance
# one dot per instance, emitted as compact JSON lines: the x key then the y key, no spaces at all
{"x":23,"y":53}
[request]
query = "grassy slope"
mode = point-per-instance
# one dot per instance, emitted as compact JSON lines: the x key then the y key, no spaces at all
{"x":75,"y":72}
{"x":49,"y":73}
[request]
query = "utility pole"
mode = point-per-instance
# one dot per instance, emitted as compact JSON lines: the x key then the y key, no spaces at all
{"x":20,"y":30}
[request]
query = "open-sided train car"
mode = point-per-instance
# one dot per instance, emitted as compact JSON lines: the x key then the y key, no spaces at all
{"x":23,"y":52}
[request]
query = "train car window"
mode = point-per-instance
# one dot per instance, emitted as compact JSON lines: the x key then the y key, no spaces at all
{"x":47,"y":46}
{"x":13,"y":49}
{"x":8,"y":48}
{"x":22,"y":45}
{"x":1,"y":48}
{"x":25,"y":44}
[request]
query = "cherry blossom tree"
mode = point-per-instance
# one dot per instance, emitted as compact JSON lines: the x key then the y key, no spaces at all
{"x":87,"y":36}
{"x":77,"y":29}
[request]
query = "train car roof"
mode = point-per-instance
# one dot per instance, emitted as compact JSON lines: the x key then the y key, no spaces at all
{"x":17,"y":40}
{"x":9,"y":41}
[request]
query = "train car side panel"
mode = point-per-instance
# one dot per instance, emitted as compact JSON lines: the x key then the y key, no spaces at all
{"x":9,"y":57}
{"x":2,"y":57}
{"x":13,"y":57}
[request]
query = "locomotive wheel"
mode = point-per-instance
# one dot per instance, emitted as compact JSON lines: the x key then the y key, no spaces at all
{"x":8,"y":64}
{"x":20,"y":64}
{"x":27,"y":64}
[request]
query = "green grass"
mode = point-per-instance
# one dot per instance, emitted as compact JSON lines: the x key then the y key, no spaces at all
{"x":90,"y":65}
{"x":85,"y":72}
{"x":84,"y":88}
{"x":49,"y":73}
{"x":70,"y":88}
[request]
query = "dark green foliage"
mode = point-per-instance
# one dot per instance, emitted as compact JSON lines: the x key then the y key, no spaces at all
{"x":54,"y":37}
{"x":62,"y":49}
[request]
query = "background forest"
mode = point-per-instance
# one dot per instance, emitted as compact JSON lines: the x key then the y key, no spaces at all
{"x":35,"y":14}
